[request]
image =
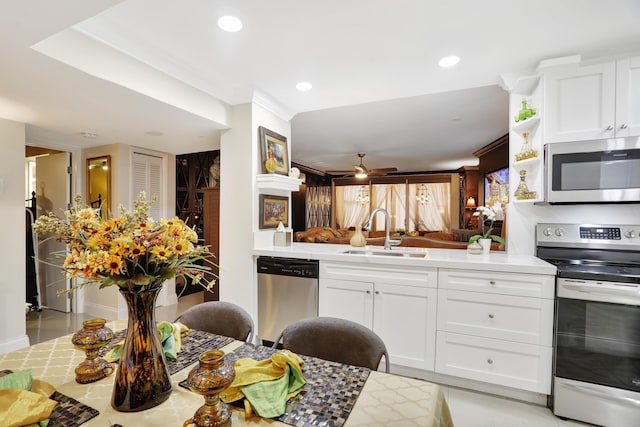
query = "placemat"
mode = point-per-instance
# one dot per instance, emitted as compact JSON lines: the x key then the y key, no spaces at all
{"x":328,"y":397}
{"x":193,"y":345}
{"x":68,"y":412}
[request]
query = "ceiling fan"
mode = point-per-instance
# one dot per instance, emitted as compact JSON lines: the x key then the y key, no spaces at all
{"x":361,"y":171}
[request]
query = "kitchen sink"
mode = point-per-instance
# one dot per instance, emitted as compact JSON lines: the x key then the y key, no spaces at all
{"x":382,"y":252}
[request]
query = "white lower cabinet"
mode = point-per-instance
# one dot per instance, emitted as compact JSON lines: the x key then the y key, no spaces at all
{"x":493,"y":327}
{"x":506,"y":363}
{"x":496,"y":327}
{"x":397,"y":303}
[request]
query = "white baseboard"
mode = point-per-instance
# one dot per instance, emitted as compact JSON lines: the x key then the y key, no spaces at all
{"x":448,"y":380}
{"x":99,"y":310}
{"x":14,"y":344}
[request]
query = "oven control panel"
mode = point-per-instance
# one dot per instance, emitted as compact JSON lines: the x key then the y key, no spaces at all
{"x":588,"y":235}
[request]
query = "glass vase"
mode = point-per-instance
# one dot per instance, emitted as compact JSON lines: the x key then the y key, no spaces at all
{"x":91,"y":338}
{"x":209,"y":378}
{"x":142,"y":380}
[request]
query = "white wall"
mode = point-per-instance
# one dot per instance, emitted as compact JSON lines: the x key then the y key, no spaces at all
{"x":239,"y":233}
{"x":12,"y":253}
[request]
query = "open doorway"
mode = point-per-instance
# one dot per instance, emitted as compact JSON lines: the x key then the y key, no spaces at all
{"x":47,"y":189}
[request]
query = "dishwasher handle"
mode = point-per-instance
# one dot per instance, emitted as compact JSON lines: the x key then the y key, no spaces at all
{"x":288,"y":267}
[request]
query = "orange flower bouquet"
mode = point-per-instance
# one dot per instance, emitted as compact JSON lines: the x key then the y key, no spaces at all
{"x":132,"y":250}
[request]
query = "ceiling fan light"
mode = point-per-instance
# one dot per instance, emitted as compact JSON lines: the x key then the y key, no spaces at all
{"x":361,"y":175}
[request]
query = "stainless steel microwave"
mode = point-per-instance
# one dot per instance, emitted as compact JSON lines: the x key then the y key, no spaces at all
{"x":600,"y":171}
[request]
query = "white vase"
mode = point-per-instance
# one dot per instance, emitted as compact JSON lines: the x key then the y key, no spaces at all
{"x":358,"y":238}
{"x":486,"y":245}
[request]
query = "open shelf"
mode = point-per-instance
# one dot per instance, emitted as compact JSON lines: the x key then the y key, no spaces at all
{"x":272,"y":181}
{"x":527,"y":125}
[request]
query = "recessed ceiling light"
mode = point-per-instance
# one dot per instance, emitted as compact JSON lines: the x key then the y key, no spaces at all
{"x":449,"y":61}
{"x":230,"y":23}
{"x":304,"y":86}
{"x":89,"y":135}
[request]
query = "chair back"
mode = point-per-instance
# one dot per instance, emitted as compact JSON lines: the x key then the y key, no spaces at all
{"x":334,"y":339}
{"x":219,"y":317}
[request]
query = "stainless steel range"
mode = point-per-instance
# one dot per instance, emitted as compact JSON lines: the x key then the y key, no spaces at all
{"x":596,"y":375}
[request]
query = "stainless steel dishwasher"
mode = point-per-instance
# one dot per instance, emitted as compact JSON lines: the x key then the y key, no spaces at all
{"x":287,"y":292}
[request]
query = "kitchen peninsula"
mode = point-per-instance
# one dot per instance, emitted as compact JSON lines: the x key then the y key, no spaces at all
{"x":482,"y":322}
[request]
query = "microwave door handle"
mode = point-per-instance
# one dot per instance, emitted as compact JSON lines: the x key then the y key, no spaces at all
{"x":602,"y":290}
{"x":598,"y":393}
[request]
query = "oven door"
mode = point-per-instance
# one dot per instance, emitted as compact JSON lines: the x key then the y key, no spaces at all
{"x":598,"y":333}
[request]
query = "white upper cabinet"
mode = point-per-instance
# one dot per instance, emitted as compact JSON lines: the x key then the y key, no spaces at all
{"x":592,"y":102}
{"x":628,"y":97}
{"x":579,"y":103}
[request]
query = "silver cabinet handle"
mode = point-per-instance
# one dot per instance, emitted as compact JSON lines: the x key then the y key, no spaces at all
{"x":368,"y":291}
{"x":492,"y":282}
{"x":490,"y":361}
{"x":377,"y":292}
{"x":609,"y":127}
{"x":624,"y":126}
{"x":491,"y":316}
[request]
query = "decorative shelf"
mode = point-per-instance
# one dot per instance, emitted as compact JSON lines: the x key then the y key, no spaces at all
{"x":272,"y":181}
{"x":527,"y":125}
{"x":526,"y":162}
{"x":518,"y":201}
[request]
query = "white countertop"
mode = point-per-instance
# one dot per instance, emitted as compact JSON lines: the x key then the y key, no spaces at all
{"x":437,"y":258}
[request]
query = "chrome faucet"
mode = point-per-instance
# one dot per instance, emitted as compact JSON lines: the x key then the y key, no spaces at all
{"x":388,"y":241}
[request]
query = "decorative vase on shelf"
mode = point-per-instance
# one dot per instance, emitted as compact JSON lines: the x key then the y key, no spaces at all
{"x":213,"y":374}
{"x":358,"y":238}
{"x":475,"y":248}
{"x":526,"y":152}
{"x":91,"y":338}
{"x":522,"y":192}
{"x":486,"y":245}
{"x":142,"y":380}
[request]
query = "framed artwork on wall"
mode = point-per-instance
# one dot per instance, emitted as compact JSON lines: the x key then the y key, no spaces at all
{"x":273,"y":211}
{"x":275,"y":155}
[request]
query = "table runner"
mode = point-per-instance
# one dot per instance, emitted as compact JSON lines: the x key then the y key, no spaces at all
{"x":328,"y":397}
{"x":193,"y":345}
{"x":68,"y":412}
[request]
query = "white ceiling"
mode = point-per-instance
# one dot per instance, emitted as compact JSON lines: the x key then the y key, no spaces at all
{"x":160,"y":74}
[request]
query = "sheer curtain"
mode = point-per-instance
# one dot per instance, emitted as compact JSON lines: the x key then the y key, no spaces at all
{"x":436,"y":213}
{"x":391,"y":197}
{"x":349,"y":211}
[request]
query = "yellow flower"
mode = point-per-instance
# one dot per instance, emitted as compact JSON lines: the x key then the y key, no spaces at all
{"x":160,"y":252}
{"x":114,"y":264}
{"x":97,"y":241}
{"x":181,"y":247}
{"x":136,"y":250}
{"x":108,"y":226}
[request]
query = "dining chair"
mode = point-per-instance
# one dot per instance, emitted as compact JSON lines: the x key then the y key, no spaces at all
{"x":219,"y":317}
{"x":334,"y":339}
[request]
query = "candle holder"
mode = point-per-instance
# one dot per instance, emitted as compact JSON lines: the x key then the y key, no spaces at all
{"x":209,"y":378}
{"x":91,"y":338}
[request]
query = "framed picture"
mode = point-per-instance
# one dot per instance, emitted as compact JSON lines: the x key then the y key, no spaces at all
{"x":275,"y":156}
{"x":273,"y":211}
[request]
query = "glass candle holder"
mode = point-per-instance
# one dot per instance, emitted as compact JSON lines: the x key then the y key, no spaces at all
{"x":91,"y":338}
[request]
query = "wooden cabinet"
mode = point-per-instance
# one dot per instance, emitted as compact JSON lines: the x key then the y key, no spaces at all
{"x":211,"y":234}
{"x":198,"y":203}
{"x":592,"y":101}
{"x":496,"y":327}
{"x":398,"y":303}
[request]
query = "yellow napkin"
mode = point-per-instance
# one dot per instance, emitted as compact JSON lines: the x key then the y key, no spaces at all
{"x":26,"y":402}
{"x":266,"y":384}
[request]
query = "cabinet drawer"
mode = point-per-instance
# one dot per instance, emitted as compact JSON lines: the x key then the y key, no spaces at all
{"x":522,"y":366}
{"x":400,"y":275}
{"x":518,"y":284}
{"x":505,"y":317}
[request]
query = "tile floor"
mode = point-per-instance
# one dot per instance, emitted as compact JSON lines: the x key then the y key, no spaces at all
{"x":468,"y":408}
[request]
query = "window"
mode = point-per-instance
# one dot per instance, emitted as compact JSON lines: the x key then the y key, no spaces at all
{"x":411,"y":206}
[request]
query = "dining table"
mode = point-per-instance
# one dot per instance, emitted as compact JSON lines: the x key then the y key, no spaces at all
{"x":335,"y":394}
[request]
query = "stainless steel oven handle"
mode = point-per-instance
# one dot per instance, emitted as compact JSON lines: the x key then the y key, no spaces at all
{"x":598,"y":393}
{"x":632,"y":291}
